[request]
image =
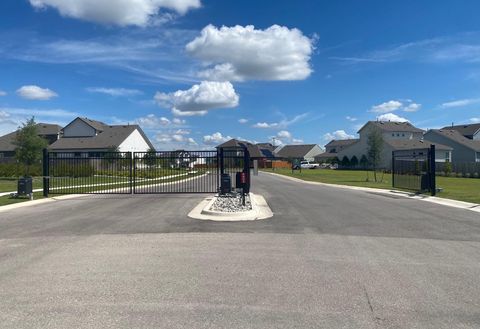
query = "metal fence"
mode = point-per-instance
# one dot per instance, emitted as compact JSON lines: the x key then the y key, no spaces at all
{"x":142,"y":172}
{"x":414,"y":170}
{"x":175,"y":172}
{"x":99,"y":173}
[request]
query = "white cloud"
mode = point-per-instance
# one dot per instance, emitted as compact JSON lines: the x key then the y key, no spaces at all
{"x":297,"y":141}
{"x":178,"y":121}
{"x":199,"y":99}
{"x":461,"y":103}
{"x":391,"y":117}
{"x":406,"y":105}
{"x":36,"y":93}
{"x":386,"y":107}
{"x":284,"y":123}
{"x":151,"y":121}
{"x":2,"y":93}
{"x":338,"y":135}
{"x":182,"y":132}
{"x":351,"y":119}
{"x":265,"y":125}
{"x":244,"y":53}
{"x":122,"y":12}
{"x":167,"y":141}
{"x":412,"y":107}
{"x":115,"y":92}
{"x":215,"y":138}
{"x":475,"y":120}
{"x":242,"y":121}
{"x":284,"y":135}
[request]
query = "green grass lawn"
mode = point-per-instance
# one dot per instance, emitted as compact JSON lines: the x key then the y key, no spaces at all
{"x":463,"y":189}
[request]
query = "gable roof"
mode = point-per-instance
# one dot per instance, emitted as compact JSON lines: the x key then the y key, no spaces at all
{"x":253,"y":149}
{"x":465,"y":130}
{"x":393,"y":126}
{"x":43,"y":129}
{"x":97,"y":125}
{"x":412,"y":144}
{"x":341,"y":142}
{"x":457,"y":137}
{"x":295,"y":151}
{"x":110,"y":136}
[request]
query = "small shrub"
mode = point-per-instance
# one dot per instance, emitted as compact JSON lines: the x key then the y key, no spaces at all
{"x":475,"y":175}
{"x":459,"y":174}
{"x":467,"y":175}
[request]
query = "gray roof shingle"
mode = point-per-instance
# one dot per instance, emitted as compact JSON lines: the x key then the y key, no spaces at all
{"x":411,"y":144}
{"x":253,"y":149}
{"x":465,"y":130}
{"x":43,"y":129}
{"x":295,"y":151}
{"x":455,"y":136}
{"x":110,"y":136}
{"x":394,"y":126}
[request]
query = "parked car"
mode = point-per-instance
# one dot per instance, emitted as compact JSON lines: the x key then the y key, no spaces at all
{"x":309,"y":165}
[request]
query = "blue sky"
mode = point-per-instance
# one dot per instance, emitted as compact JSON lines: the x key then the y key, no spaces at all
{"x":194,"y":73}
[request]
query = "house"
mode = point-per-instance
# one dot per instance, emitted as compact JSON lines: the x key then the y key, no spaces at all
{"x":332,"y":149}
{"x":464,"y":149}
{"x":84,"y":137}
{"x":396,"y":136}
{"x":51,"y":132}
{"x":268,"y":150}
{"x":235,"y":145}
{"x":300,"y":151}
{"x":471,"y":131}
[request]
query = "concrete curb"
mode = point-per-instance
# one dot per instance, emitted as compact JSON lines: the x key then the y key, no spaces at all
{"x":40,"y":201}
{"x":260,"y":210}
{"x":445,"y":202}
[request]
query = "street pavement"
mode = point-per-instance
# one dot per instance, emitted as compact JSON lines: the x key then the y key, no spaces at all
{"x":329,"y":258}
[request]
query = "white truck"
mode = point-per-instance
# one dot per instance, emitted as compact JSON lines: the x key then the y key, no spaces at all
{"x":309,"y":165}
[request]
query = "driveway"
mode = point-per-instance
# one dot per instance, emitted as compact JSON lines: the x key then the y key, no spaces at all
{"x":329,"y":258}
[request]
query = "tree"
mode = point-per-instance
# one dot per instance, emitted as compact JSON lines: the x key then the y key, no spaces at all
{"x":345,"y":162}
{"x":354,"y":161}
{"x":29,"y":145}
{"x":374,"y":149}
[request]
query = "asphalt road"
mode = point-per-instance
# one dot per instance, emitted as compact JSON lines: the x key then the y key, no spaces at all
{"x":329,"y":258}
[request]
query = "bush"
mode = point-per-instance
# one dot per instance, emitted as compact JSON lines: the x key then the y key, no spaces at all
{"x":354,"y":161}
{"x":467,"y":175}
{"x":16,"y":170}
{"x":475,"y":175}
{"x":345,"y":162}
{"x":447,"y":168}
{"x":65,"y":169}
{"x":459,"y":174}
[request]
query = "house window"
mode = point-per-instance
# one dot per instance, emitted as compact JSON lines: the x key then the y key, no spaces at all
{"x":77,"y":154}
{"x":447,"y":156}
{"x":1,"y":155}
{"x":393,"y":135}
{"x":403,"y":135}
{"x":477,"y":157}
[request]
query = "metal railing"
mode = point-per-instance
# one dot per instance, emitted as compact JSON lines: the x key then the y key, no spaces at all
{"x":151,"y":172}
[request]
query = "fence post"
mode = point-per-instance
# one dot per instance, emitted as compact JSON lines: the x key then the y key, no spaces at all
{"x":432,"y":169}
{"x":131,"y":171}
{"x":45,"y":173}
{"x":393,"y":168}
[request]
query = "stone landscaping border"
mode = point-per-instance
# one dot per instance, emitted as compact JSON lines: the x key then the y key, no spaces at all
{"x":260,"y":210}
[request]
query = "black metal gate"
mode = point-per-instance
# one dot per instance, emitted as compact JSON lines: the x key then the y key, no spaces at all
{"x":414,"y":170}
{"x":151,"y":172}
